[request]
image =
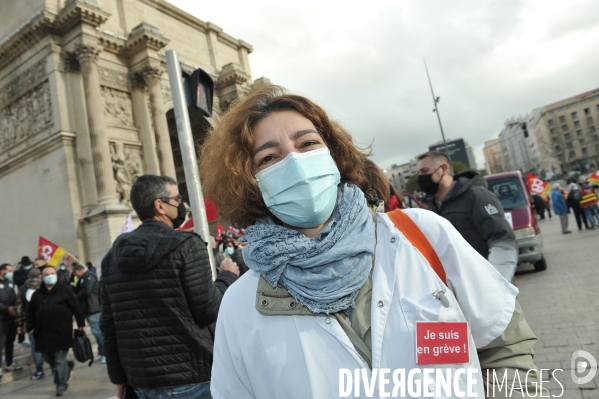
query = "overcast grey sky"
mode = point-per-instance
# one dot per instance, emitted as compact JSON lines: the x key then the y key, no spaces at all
{"x":363,"y":61}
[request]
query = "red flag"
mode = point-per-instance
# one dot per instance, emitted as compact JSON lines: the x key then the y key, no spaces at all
{"x":537,"y":186}
{"x":187,"y":226}
{"x":219,"y":231}
{"x":594,"y":178}
{"x":54,"y":255}
{"x":233,"y":230}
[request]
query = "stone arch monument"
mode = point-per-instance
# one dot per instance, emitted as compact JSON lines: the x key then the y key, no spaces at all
{"x":84,"y":107}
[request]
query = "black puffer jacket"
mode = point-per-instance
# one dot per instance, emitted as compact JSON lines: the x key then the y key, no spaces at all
{"x":8,"y":298}
{"x":475,"y":212}
{"x":158,"y":307}
{"x":87,"y":293}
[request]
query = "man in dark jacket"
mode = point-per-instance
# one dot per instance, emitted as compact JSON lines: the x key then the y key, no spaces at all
{"x":159,"y":302}
{"x":473,"y":210}
{"x":88,"y":297}
{"x":8,"y":311}
{"x":50,"y":322}
{"x":21,"y":274}
{"x":26,"y":291}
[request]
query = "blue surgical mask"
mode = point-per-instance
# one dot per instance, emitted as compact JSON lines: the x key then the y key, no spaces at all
{"x":229,"y":251}
{"x":50,"y":279}
{"x":301,"y":189}
{"x":8,"y":276}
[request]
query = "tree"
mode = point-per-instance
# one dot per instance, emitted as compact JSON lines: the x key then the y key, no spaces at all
{"x":412,"y":183}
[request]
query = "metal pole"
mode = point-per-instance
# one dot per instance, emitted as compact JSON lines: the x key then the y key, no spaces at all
{"x":435,"y":101}
{"x":190,"y":162}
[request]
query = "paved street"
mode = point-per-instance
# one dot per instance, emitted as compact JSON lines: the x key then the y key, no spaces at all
{"x":561,"y":305}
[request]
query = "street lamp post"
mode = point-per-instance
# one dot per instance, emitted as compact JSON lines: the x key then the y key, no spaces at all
{"x":436,"y":110}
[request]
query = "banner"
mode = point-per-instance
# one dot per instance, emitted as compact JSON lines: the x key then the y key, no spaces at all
{"x":219,"y":231}
{"x":594,"y":178}
{"x":233,"y":231}
{"x":54,"y":255}
{"x":128,"y":226}
{"x":537,"y":186}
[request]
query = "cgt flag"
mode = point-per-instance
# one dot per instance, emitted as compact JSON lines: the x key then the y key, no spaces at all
{"x":594,"y":178}
{"x":537,"y":186}
{"x":53,"y":254}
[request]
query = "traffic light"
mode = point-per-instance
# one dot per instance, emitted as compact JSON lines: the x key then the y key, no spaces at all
{"x":201,"y":90}
{"x":524,"y":129}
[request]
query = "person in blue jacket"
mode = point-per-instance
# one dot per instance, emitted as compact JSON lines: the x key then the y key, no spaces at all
{"x":560,"y":207}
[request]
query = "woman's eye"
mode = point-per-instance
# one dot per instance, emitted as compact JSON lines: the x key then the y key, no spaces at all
{"x":308,"y":144}
{"x":266,"y":159}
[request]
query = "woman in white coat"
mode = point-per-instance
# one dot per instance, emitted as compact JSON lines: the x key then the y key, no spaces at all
{"x":339,"y":301}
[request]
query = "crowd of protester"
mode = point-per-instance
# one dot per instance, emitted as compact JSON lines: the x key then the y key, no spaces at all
{"x":323,"y":213}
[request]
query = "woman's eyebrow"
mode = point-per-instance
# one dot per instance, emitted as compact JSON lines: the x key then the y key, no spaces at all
{"x":301,"y":133}
{"x":268,"y":144}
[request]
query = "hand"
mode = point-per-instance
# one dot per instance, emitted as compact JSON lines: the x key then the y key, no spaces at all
{"x":19,"y":330}
{"x":229,"y":266}
{"x":82,"y":328}
{"x":120,"y":388}
{"x":11,"y":310}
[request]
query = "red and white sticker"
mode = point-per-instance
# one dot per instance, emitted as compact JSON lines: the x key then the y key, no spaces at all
{"x":442,"y":342}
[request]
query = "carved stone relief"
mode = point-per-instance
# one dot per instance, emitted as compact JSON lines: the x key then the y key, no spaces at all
{"x":118,"y":109}
{"x":26,"y":116}
{"x":16,"y":86}
{"x":112,"y":77}
{"x":166,"y":94}
{"x":126,"y":165}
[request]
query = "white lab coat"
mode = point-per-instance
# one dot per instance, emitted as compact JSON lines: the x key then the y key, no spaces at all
{"x":276,"y":357}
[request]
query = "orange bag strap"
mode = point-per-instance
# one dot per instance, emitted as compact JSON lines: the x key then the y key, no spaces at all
{"x":413,"y":233}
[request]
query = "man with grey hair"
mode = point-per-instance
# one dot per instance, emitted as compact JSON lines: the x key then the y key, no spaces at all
{"x":159,"y":303}
{"x":474,"y":211}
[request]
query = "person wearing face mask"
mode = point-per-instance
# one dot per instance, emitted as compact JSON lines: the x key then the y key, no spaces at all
{"x":8,"y":314}
{"x":333,"y":285}
{"x":21,"y":274}
{"x":158,"y":299}
{"x":474,"y":211}
{"x":49,"y":319}
{"x":33,"y":282}
{"x":233,"y":251}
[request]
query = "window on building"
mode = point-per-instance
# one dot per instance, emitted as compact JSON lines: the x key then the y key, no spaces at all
{"x":552,"y":130}
{"x":569,"y":144}
{"x":561,"y":157}
{"x":555,"y":139}
{"x":565,"y":128}
{"x":591,"y":129}
{"x":558,"y":148}
{"x":584,"y":151}
{"x":596,"y":148}
{"x":579,"y":133}
{"x":551,"y":123}
{"x":581,"y":141}
{"x":587,"y":111}
{"x":562,"y":119}
{"x":595,"y":137}
{"x":574,"y":115}
{"x":590,"y":120}
{"x":567,"y":136}
{"x":597,"y":107}
{"x":576,"y":124}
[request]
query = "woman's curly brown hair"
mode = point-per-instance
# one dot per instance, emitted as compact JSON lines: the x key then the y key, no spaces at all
{"x":226,"y":167}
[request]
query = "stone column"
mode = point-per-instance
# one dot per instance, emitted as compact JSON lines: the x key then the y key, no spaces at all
{"x":88,"y":60}
{"x":165,"y":151}
{"x":144,"y":121}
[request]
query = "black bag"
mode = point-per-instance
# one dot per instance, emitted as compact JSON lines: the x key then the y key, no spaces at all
{"x":82,"y":348}
{"x":129,"y":392}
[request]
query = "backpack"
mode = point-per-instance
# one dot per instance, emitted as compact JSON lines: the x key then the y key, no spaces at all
{"x":82,"y":348}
